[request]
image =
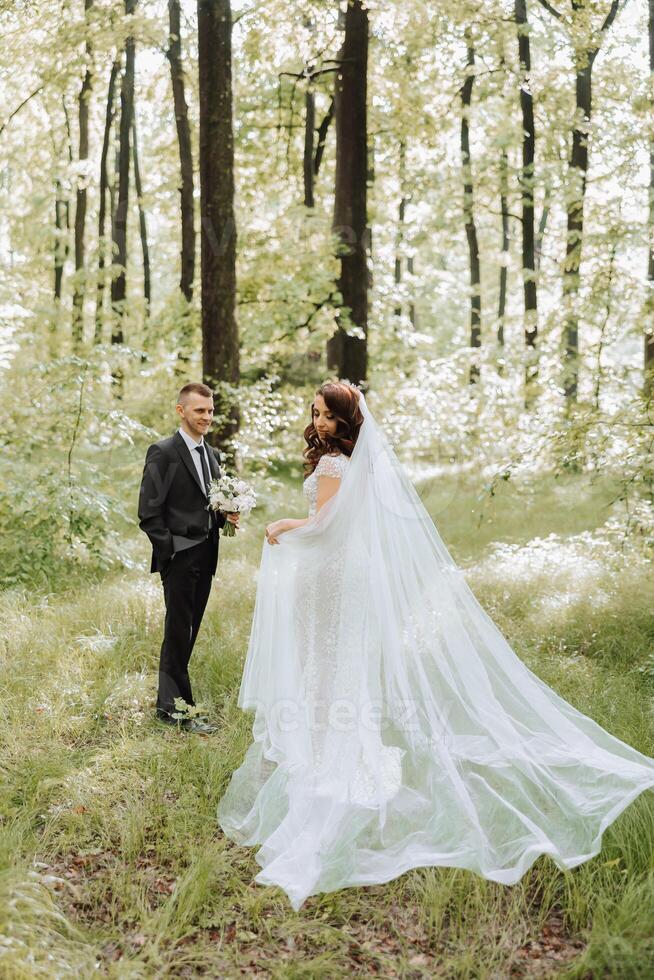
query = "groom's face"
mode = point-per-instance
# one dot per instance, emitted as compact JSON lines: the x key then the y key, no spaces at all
{"x":196,"y":413}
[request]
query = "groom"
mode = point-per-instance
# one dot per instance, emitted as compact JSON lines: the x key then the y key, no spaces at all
{"x":173,"y":512}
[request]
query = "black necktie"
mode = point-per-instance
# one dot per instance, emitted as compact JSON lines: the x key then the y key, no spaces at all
{"x":205,"y":467}
{"x":207,"y":481}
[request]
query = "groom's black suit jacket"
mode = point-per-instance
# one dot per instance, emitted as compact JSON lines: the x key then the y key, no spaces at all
{"x":172,"y":501}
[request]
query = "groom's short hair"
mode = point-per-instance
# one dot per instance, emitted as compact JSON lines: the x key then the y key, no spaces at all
{"x":194,"y":387}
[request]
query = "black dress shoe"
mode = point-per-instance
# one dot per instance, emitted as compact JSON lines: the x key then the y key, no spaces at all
{"x":200,"y":726}
{"x":168,"y":720}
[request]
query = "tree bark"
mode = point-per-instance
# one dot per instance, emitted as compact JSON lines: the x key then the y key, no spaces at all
{"x":102,"y":208}
{"x":401,"y":219}
{"x":220,"y":341}
{"x":527,"y":191}
{"x":174,"y":55}
{"x":119,"y":282}
{"x":413,"y":318}
{"x":577,"y":174}
{"x":62,"y":218}
{"x":61,"y":231}
{"x":143,"y":228}
{"x":605,"y":323}
{"x":468,"y":212}
{"x":309,"y":133}
{"x":80,"y":210}
{"x":113,"y":190}
{"x":542,"y":225}
{"x":504,"y":211}
{"x":347,"y":353}
{"x":322,"y":138}
{"x":576,"y":191}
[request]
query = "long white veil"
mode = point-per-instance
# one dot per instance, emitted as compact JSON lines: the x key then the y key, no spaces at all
{"x":394,"y":726}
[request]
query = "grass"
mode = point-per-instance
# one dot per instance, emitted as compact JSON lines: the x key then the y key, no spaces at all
{"x":111,"y":861}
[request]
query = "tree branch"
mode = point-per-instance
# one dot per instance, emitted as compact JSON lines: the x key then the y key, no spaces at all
{"x":305,"y":323}
{"x":612,"y":14}
{"x":18,"y":108}
{"x":309,"y":74}
{"x":552,"y":10}
{"x":322,"y":137}
{"x":608,"y":21}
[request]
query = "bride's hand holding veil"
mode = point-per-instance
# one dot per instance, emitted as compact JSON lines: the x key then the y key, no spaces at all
{"x":275,"y":529}
{"x":327,"y":487}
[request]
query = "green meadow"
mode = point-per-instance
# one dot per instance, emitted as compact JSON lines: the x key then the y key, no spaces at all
{"x":111,"y":860}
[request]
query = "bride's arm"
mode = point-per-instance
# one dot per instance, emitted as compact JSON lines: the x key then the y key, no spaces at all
{"x":327,"y":487}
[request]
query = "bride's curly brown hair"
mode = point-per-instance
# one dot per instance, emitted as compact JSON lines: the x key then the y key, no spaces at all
{"x":343,"y":402}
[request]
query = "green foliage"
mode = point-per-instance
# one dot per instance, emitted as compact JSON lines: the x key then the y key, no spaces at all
{"x":549,"y":505}
{"x":47,"y":524}
{"x":61,"y":497}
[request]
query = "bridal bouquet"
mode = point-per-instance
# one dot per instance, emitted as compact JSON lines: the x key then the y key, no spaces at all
{"x":231,"y":496}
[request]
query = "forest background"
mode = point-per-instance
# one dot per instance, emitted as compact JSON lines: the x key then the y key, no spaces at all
{"x":450,"y":204}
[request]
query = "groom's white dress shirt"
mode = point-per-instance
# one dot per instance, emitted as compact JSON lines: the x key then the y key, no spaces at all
{"x":196,"y":457}
{"x":181,"y":543}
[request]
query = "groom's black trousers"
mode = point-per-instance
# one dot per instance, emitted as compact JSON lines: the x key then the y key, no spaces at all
{"x":186,"y":583}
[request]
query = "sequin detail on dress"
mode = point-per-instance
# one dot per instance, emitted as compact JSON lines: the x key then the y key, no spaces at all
{"x":333,"y":676}
{"x":327,"y":466}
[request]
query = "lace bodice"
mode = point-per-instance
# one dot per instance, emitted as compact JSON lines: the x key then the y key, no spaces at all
{"x":327,"y":466}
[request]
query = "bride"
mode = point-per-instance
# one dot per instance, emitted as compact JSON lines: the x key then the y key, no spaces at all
{"x":394,"y":727}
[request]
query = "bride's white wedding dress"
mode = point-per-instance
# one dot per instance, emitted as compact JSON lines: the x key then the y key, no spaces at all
{"x":394,"y":726}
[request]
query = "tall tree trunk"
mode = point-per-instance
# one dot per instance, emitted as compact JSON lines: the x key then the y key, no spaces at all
{"x":174,"y":54}
{"x":542,"y":225}
{"x":220,"y":341}
{"x":649,"y":309}
{"x":468,"y":212}
{"x":577,"y":173}
{"x":413,"y":319}
{"x":401,"y":220}
{"x":62,"y":218}
{"x":322,"y":138}
{"x":102,"y":209}
{"x":143,"y":229}
{"x":309,"y":133}
{"x":527,"y":180}
{"x":113,"y":189}
{"x":601,"y":344}
{"x":584,"y":57}
{"x":348,"y":354}
{"x":60,"y":240}
{"x":119,"y":281}
{"x":113,"y":197}
{"x":504,"y":211}
{"x":80,"y":211}
{"x":397,"y":277}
